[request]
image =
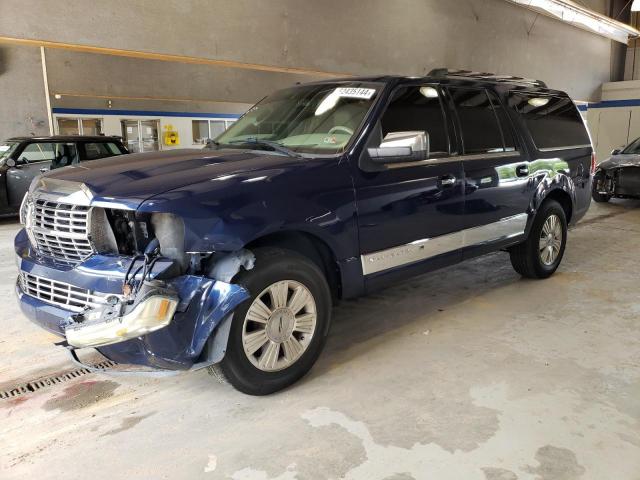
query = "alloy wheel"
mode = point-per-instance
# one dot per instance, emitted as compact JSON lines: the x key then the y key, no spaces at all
{"x":550,"y":240}
{"x":279,"y":325}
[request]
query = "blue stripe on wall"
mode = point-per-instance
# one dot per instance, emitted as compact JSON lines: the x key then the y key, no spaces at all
{"x":632,"y":102}
{"x":146,"y":113}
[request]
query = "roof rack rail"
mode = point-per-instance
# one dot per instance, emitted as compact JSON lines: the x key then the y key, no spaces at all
{"x":445,"y":72}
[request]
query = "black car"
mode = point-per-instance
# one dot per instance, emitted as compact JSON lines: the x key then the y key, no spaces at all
{"x":619,"y":175}
{"x":24,"y":158}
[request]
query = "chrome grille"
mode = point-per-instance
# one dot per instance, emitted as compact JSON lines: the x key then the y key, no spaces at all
{"x":60,"y":294}
{"x":61,"y":230}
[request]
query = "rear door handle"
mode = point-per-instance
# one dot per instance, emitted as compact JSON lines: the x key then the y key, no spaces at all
{"x":522,"y":170}
{"x":447,"y":181}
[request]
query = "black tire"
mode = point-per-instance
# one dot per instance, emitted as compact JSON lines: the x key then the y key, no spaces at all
{"x":599,"y":197}
{"x":597,"y":182}
{"x":526,"y":256}
{"x":274,"y":265}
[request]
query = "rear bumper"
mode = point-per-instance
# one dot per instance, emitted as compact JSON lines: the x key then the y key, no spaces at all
{"x":202,"y":305}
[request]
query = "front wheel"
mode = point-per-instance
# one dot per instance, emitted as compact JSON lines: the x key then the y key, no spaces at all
{"x":541,"y":253}
{"x":278,"y":333}
{"x":600,"y":197}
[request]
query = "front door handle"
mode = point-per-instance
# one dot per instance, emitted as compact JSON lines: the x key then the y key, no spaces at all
{"x":44,"y":169}
{"x":447,"y":181}
{"x":522,"y":170}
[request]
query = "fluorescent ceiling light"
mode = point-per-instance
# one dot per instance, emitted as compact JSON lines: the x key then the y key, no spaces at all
{"x":582,"y":17}
{"x":635,"y":6}
{"x":538,"y":102}
{"x":429,"y":92}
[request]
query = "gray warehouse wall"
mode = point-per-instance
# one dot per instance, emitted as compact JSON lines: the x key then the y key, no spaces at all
{"x":85,"y":78}
{"x":365,"y":37}
{"x":343,"y":37}
{"x":22,"y":100}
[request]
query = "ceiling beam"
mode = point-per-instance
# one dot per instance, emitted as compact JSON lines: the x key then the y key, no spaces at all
{"x":163,"y":57}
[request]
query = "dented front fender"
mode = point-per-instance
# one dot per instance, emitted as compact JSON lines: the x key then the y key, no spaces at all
{"x":179,"y":345}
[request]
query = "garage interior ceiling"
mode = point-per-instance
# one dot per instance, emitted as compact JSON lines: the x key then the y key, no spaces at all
{"x":582,"y":17}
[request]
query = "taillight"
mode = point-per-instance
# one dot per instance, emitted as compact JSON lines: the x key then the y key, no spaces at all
{"x":593,"y":163}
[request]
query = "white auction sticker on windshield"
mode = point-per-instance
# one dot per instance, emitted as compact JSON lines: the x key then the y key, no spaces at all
{"x":4,"y":148}
{"x":353,"y":92}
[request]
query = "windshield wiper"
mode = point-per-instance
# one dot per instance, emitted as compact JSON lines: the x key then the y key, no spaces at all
{"x":278,"y":147}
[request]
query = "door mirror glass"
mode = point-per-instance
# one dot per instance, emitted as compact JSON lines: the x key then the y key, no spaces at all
{"x":401,"y":147}
{"x":615,"y":151}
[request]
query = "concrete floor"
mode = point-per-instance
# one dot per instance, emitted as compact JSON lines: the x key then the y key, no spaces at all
{"x":468,"y":373}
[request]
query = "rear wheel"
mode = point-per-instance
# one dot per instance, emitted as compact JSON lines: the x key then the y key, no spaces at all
{"x":541,"y":253}
{"x":278,"y":333}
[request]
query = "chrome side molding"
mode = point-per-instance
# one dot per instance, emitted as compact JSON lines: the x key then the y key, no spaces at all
{"x":426,"y":248}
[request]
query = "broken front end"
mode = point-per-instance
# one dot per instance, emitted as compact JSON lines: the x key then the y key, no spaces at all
{"x":622,"y":181}
{"x":123,"y":281}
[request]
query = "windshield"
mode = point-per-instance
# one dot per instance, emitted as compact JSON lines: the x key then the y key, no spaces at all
{"x":633,"y":147}
{"x":6,"y":149}
{"x":319,"y":118}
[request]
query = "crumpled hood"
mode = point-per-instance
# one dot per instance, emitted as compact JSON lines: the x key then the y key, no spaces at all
{"x":131,"y":179}
{"x":617,"y":161}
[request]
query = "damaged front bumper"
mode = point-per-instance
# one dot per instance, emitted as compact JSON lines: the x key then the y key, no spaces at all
{"x":167,"y":326}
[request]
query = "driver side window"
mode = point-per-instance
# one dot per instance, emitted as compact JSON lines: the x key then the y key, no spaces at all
{"x":418,"y":108}
{"x":37,"y":152}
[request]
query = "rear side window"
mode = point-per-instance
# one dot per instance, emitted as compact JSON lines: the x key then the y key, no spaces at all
{"x":554,"y":122}
{"x":100,"y":150}
{"x":481,"y":131}
{"x":418,"y":109}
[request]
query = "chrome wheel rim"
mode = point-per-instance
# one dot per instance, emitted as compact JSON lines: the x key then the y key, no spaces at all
{"x":550,"y":240}
{"x":279,"y":325}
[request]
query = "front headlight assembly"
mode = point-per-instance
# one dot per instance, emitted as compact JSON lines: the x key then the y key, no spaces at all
{"x":151,"y":314}
{"x":25,"y":209}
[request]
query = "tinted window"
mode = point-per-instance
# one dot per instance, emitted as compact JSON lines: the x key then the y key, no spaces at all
{"x":100,"y":150}
{"x":504,"y":121}
{"x":478,"y":122}
{"x":633,"y":147}
{"x":552,"y":121}
{"x":418,"y":109}
{"x":65,"y":155}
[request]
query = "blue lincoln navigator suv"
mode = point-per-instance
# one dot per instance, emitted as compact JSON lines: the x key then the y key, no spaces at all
{"x":230,"y":257}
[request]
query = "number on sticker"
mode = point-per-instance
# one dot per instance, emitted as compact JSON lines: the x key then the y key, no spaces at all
{"x":354,"y":92}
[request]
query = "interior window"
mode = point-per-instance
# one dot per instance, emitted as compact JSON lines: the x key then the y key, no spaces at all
{"x":200,"y":130}
{"x":217,"y":128}
{"x":480,"y":130}
{"x":38,"y":152}
{"x":418,"y":109}
{"x":554,"y":122}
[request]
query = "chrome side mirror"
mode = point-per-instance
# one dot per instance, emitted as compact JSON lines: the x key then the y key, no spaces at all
{"x":615,"y":151}
{"x":10,"y":163}
{"x":399,"y":147}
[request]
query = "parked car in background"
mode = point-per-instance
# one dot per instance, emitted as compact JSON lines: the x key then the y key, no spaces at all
{"x":24,"y":158}
{"x":619,"y":175}
{"x":231,"y":256}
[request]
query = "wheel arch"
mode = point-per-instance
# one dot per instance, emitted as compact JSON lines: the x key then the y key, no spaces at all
{"x":310,"y":246}
{"x":563,"y":198}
